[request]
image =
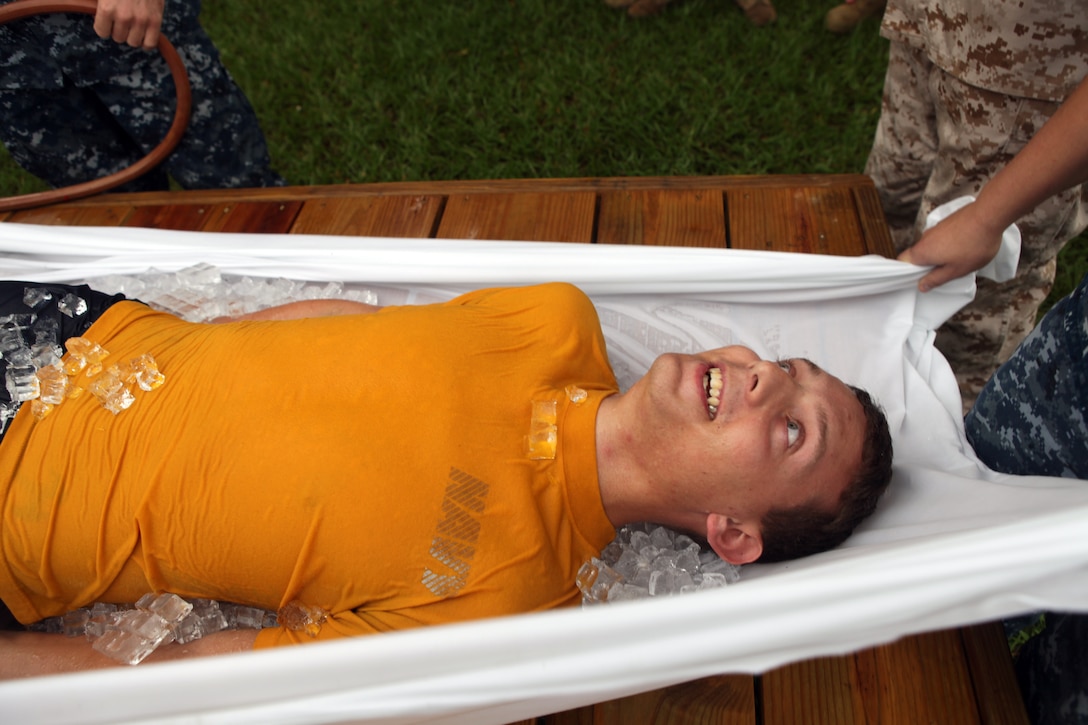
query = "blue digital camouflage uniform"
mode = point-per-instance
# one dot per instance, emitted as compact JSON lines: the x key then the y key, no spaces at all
{"x":75,"y":107}
{"x":969,"y":82}
{"x":1032,"y":418}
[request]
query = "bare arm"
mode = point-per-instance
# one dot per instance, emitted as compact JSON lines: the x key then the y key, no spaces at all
{"x":30,"y":654}
{"x":306,"y":308}
{"x":1055,"y":159}
{"x":135,"y":22}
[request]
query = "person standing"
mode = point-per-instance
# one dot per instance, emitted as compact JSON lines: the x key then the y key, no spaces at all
{"x":968,"y":84}
{"x":82,"y":98}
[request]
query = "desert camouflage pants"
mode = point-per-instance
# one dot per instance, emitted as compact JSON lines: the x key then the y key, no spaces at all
{"x":1032,"y":418}
{"x":939,"y":139}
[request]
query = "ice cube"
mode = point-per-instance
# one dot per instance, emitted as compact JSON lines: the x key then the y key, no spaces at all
{"x":53,"y":384}
{"x":111,"y":392}
{"x":199,"y":275}
{"x":22,"y":383}
{"x":35,"y":297}
{"x":40,"y":409}
{"x":11,"y":338}
{"x":44,"y":354}
{"x":46,"y":331}
{"x":170,"y":607}
{"x":144,"y":372}
{"x":72,"y":305}
{"x":300,"y":617}
{"x":575,"y":394}
{"x":74,"y":623}
{"x":243,"y":617}
{"x":205,"y":618}
{"x":124,"y":646}
{"x":83,"y":354}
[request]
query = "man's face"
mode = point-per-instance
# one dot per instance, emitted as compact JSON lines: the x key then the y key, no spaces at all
{"x":781,"y":433}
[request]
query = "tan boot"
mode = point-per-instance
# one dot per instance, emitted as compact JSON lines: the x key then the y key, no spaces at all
{"x":646,"y":8}
{"x":844,"y":18}
{"x":759,"y":12}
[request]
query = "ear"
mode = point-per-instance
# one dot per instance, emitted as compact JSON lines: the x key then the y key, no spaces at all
{"x":735,"y":542}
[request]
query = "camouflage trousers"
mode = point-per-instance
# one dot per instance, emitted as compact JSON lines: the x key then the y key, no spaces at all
{"x":98,"y":119}
{"x":939,"y":139}
{"x":1032,"y":418}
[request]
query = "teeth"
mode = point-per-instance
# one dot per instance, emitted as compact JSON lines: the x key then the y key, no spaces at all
{"x":712,"y":383}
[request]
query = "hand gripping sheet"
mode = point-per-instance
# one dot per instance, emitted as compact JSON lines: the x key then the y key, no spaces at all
{"x":952,"y":543}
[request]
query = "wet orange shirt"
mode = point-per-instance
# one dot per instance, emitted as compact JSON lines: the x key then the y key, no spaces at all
{"x":372,"y":465}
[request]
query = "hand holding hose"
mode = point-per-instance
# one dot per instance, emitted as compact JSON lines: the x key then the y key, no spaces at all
{"x":117,"y":26}
{"x":134,"y":22}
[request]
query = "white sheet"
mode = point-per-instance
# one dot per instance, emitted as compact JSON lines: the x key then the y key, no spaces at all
{"x":951,"y":544}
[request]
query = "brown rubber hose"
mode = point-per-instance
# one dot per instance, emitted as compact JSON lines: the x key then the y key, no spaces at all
{"x":25,"y":8}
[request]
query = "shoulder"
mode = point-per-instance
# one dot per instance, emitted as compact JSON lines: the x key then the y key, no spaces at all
{"x":550,"y":315}
{"x":549,"y":296}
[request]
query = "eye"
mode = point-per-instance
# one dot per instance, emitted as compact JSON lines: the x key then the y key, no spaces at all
{"x":793,"y":432}
{"x":786,"y":365}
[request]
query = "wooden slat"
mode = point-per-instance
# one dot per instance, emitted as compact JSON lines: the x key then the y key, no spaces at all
{"x":820,"y":691}
{"x":805,"y":219}
{"x":411,"y":215}
{"x":530,"y":217}
{"x":485,"y":186}
{"x":878,"y":238}
{"x":671,"y":218}
{"x":721,"y":700}
{"x":996,"y":690}
{"x":104,"y":216}
{"x":177,"y":217}
{"x":920,"y":679}
{"x":257,"y":217}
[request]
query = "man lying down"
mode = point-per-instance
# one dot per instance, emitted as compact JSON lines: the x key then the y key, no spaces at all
{"x":388,"y":468}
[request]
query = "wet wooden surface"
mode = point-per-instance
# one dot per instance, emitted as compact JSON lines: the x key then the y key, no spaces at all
{"x":958,"y":676}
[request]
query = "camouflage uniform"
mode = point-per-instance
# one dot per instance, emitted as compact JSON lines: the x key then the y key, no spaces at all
{"x":968,"y":84}
{"x":75,"y":107}
{"x":1032,"y":418}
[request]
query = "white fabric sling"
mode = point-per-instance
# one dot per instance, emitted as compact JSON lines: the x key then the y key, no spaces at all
{"x":951,"y":544}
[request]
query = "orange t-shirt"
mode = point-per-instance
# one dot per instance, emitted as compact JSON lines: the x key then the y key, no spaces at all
{"x":374,"y":466}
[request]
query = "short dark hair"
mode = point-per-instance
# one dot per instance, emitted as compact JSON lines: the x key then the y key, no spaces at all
{"x":790,"y":533}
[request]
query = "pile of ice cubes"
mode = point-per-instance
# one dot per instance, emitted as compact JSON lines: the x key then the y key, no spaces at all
{"x":198,"y":293}
{"x":202,"y":292}
{"x":24,"y":358}
{"x":129,"y":634}
{"x":645,"y":560}
{"x":38,"y":374}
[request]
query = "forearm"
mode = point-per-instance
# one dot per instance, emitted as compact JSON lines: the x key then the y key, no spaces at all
{"x":306,"y":309}
{"x":1055,"y":159}
{"x":32,"y":654}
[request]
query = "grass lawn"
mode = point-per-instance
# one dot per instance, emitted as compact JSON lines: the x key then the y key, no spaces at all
{"x":388,"y":90}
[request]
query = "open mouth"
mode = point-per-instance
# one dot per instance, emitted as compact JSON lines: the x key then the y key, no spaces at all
{"x":712,"y":386}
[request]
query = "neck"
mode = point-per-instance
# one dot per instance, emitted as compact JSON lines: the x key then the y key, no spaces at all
{"x":616,"y":474}
{"x":629,"y":491}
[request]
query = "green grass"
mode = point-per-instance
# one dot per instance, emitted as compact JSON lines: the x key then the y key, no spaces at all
{"x":355,"y":91}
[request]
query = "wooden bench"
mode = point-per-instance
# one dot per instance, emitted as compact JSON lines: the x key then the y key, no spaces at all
{"x":960,"y":676}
